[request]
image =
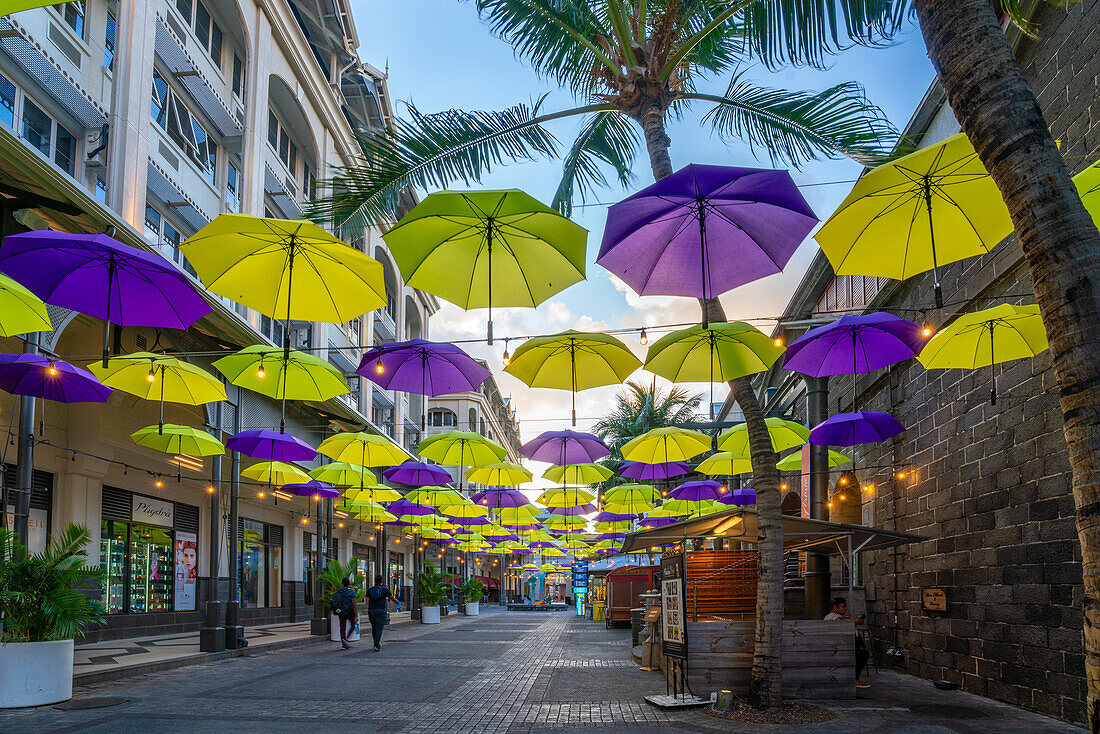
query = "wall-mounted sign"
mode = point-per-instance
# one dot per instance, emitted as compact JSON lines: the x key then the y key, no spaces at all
{"x":152,"y":511}
{"x":187,"y":570}
{"x":673,"y":623}
{"x":933,"y":599}
{"x":36,"y":528}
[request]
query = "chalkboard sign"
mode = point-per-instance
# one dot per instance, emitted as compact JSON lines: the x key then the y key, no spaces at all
{"x":673,"y":620}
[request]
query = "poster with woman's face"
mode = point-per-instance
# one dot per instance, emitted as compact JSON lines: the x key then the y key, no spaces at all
{"x":187,"y":571}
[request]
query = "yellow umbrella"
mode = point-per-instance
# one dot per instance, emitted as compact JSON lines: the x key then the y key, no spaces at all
{"x":285,"y":269}
{"x":575,"y":544}
{"x":461,"y":448}
{"x":578,"y":474}
{"x":275,"y":473}
{"x":793,"y":462}
{"x":563,"y":522}
{"x":724,"y":463}
{"x":179,"y":440}
{"x":689,"y":507}
{"x":431,"y":533}
{"x":617,"y":526}
{"x":160,"y":377}
{"x":21,"y":312}
{"x":1088,"y":186}
{"x":438,"y":497}
{"x":984,"y":338}
{"x":343,"y":474}
{"x":626,"y":492}
{"x":523,"y":515}
{"x":661,"y":445}
{"x":785,"y":434}
{"x":362,"y":449}
{"x":572,"y":360}
{"x":464,"y":511}
{"x":375,"y":514}
{"x":565,"y":497}
{"x":297,"y":376}
{"x":501,"y":474}
{"x":373,"y":494}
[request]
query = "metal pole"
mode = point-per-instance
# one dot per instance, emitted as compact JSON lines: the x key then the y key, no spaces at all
{"x":319,"y":624}
{"x":233,"y":630}
{"x":25,"y":457}
{"x":212,"y":634}
{"x":818,"y":582}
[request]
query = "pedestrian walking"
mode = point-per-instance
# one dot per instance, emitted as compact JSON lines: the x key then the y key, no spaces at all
{"x":343,"y":606}
{"x":377,"y":598}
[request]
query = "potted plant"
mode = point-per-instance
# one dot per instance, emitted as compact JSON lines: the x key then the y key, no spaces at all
{"x":432,"y":589}
{"x":472,"y":592}
{"x":332,"y":578}
{"x":42,"y":609}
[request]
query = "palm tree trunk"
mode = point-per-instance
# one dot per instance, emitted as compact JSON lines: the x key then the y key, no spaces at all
{"x":765,"y":685}
{"x":998,"y":111}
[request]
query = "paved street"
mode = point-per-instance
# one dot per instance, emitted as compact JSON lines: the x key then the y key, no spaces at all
{"x":506,"y":672}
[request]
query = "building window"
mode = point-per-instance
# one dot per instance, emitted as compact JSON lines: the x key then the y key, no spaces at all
{"x":7,"y":102}
{"x":65,"y":151}
{"x":101,"y":189}
{"x":73,"y":15}
{"x":442,"y":417}
{"x":279,"y":139}
{"x":260,"y":553}
{"x":238,"y":77}
{"x":233,"y":188}
{"x":272,"y":328}
{"x":207,"y":31}
{"x":309,"y":183}
{"x":40,"y":130}
{"x":109,"y":42}
{"x":168,"y":111}
{"x":159,"y":231}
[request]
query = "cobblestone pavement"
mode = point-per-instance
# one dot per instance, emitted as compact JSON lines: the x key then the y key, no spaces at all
{"x":502,"y":672}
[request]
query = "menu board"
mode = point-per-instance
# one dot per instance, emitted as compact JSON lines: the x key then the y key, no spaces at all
{"x":673,"y":623}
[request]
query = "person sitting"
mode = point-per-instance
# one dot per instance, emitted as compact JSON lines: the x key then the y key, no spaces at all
{"x":839,"y":611}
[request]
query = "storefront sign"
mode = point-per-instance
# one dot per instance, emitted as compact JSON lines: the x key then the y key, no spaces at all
{"x":580,"y":577}
{"x":934,"y":600}
{"x":804,"y":489}
{"x":152,"y":512}
{"x":36,"y":528}
{"x":673,"y":623}
{"x":187,"y":570}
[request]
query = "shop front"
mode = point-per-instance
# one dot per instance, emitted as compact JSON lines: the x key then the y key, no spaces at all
{"x":260,"y":570}
{"x":365,"y":559}
{"x":395,"y":574}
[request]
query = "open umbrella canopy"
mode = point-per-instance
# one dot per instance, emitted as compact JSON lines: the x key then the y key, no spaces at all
{"x":21,"y":312}
{"x":851,"y":429}
{"x":362,"y":449}
{"x":562,"y":522}
{"x":461,"y":448}
{"x":578,"y":474}
{"x":375,"y":513}
{"x":1088,"y":186}
{"x":577,"y":510}
{"x":407,"y":508}
{"x":297,"y":376}
{"x":661,"y":445}
{"x":614,"y":516}
{"x":481,"y":249}
{"x":565,"y":447}
{"x":175,"y":439}
{"x":983,"y":338}
{"x":855,"y":344}
{"x":275,"y":473}
{"x":372,"y":494}
{"x":521,"y":515}
{"x":313,"y":488}
{"x":706,"y":489}
{"x":724,"y":464}
{"x":565,"y":497}
{"x":501,"y":474}
{"x":574,"y":361}
{"x":417,"y":474}
{"x":272,"y":445}
{"x":739,"y":497}
{"x":616,"y":526}
{"x":501,"y":498}
{"x":465,"y":510}
{"x":692,"y":507}
{"x":718,"y":352}
{"x":785,"y":434}
{"x":422,"y":367}
{"x":623,"y":492}
{"x":648,"y":472}
{"x":439,"y":497}
{"x":285,"y":269}
{"x":705,"y":230}
{"x":160,"y":377}
{"x":793,"y":462}
{"x":343,"y":474}
{"x":917,"y":213}
{"x":53,"y":379}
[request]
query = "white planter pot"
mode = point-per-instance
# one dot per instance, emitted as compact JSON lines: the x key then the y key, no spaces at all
{"x":473,"y":608}
{"x":429,"y":615}
{"x":35,"y":673}
{"x":334,"y":630}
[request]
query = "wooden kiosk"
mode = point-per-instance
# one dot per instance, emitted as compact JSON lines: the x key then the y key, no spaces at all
{"x":708,"y":616}
{"x":624,"y":586}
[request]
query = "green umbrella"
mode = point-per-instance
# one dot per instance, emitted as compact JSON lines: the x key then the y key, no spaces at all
{"x":785,"y":434}
{"x":481,"y":249}
{"x":793,"y":462}
{"x":572,"y":360}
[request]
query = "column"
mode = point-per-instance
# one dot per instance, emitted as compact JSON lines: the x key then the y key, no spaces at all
{"x":818,"y":582}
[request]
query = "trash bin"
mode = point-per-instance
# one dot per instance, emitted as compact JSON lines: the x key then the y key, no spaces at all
{"x":636,"y":625}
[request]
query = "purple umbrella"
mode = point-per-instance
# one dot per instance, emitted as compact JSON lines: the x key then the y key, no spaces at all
{"x":740,"y":497}
{"x":312,"y":488}
{"x":422,"y":367}
{"x":497,"y":498}
{"x":401,"y":508}
{"x":565,"y":447}
{"x":270,"y":445}
{"x":99,"y":276}
{"x":610,"y":536}
{"x":705,"y":230}
{"x":417,"y":474}
{"x":648,"y":472}
{"x":656,"y":522}
{"x":854,"y":344}
{"x":704,"y":489}
{"x":52,"y":379}
{"x":612,"y":517}
{"x":578,"y":510}
{"x":470,"y":520}
{"x":851,"y":429}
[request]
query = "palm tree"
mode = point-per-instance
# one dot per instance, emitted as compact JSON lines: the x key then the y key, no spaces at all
{"x":635,"y":64}
{"x":998,"y":111}
{"x":640,"y":408}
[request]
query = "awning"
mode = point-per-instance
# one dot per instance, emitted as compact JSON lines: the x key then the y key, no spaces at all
{"x":489,"y":583}
{"x":175,"y":199}
{"x":45,"y":72}
{"x":179,"y":63}
{"x":799,"y":533}
{"x":277,"y":190}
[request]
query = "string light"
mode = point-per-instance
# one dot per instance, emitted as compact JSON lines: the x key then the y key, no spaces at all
{"x":210,"y":489}
{"x":51,"y":370}
{"x":159,"y":483}
{"x":644,"y":338}
{"x":339,"y":524}
{"x":507,"y":359}
{"x":927,"y":331}
{"x":152,"y":376}
{"x":901,"y":475}
{"x":260,"y":494}
{"x":379,"y":367}
{"x":779,"y":341}
{"x":260,"y":371}
{"x":783,"y":486}
{"x":305,"y":521}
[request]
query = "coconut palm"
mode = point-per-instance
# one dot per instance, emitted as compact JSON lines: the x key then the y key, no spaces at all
{"x":634,"y":65}
{"x":640,"y":408}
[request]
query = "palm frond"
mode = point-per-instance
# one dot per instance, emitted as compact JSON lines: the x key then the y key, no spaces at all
{"x":606,"y":137}
{"x":433,"y":150}
{"x":795,"y":127}
{"x":557,"y":37}
{"x":809,"y":31}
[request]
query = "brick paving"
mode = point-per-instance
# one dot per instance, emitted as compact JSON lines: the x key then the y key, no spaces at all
{"x":501,"y":673}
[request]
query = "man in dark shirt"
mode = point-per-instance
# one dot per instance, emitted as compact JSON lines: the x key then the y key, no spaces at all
{"x":377,"y":598}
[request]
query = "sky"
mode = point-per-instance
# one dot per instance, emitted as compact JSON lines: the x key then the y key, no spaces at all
{"x":439,"y":56}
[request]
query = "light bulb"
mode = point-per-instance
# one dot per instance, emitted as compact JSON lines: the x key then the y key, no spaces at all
{"x":783,"y":486}
{"x":507,"y":358}
{"x":779,"y":341}
{"x":379,"y":367}
{"x":316,"y":498}
{"x":260,"y":372}
{"x":830,"y":504}
{"x":644,"y":338}
{"x":159,"y":483}
{"x":152,"y":376}
{"x":305,"y":520}
{"x":843,"y":480}
{"x":370,"y":537}
{"x":901,"y":475}
{"x":210,"y":490}
{"x":260,"y":494}
{"x":51,"y":370}
{"x":339,"y":524}
{"x":927,"y":331}
{"x":843,"y":497}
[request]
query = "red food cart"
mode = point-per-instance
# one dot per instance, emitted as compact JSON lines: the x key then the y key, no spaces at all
{"x":624,"y":586}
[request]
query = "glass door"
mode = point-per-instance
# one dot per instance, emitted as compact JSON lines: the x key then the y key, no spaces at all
{"x":151,"y":579}
{"x":252,"y":565}
{"x":112,"y":558}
